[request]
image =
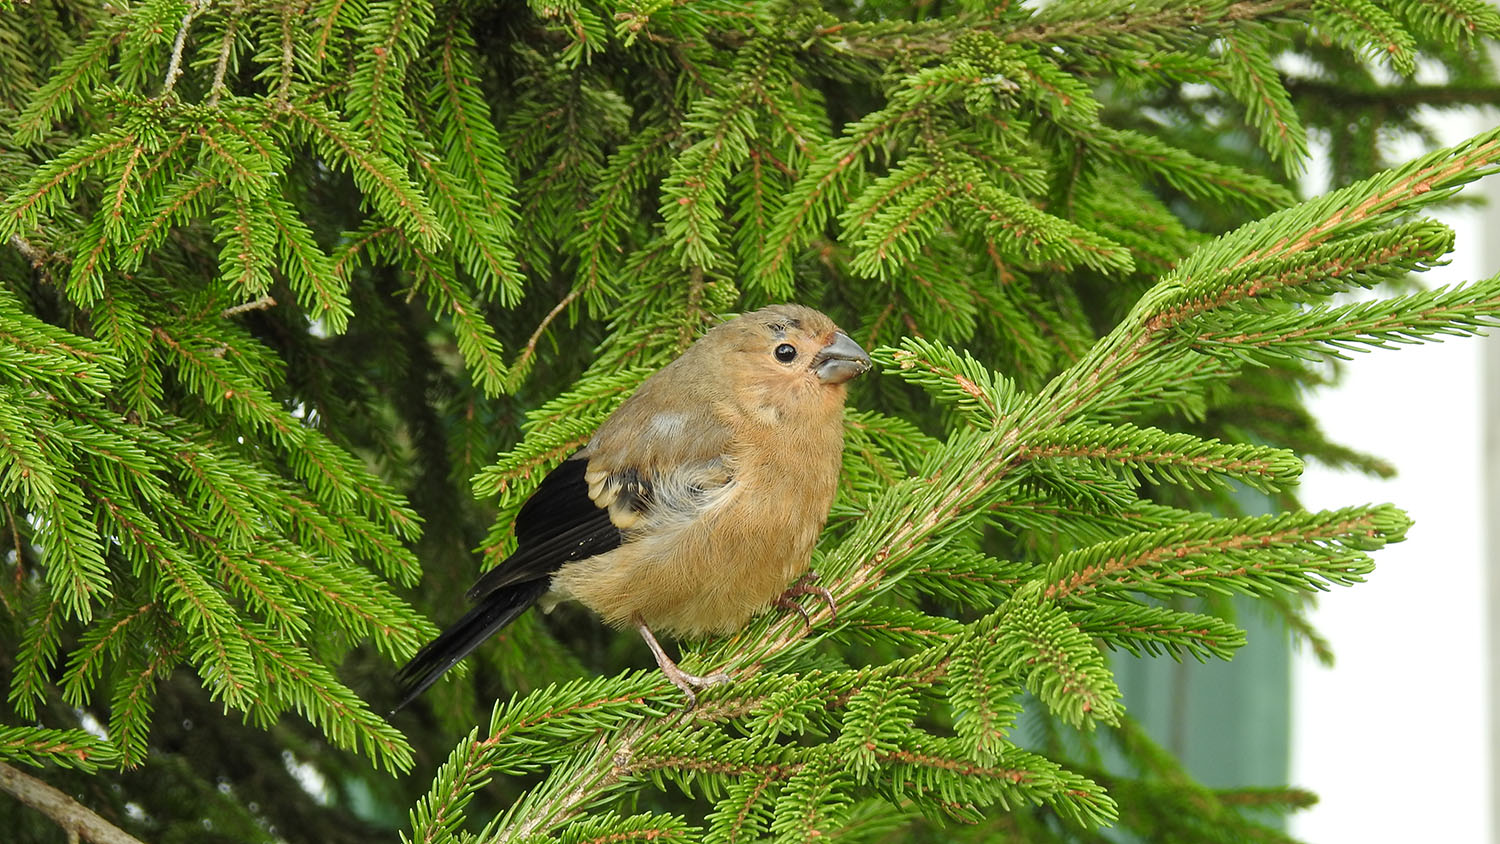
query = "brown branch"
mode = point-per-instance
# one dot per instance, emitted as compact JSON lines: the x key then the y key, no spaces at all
{"x":174,"y":63}
{"x":36,"y":255}
{"x":288,"y":56}
{"x":1181,"y":17}
{"x":76,"y":819}
{"x":20,"y":576}
{"x":216,"y":88}
{"x":257,"y":305}
{"x":607,"y":769}
{"x":536,"y":336}
{"x":1405,"y":96}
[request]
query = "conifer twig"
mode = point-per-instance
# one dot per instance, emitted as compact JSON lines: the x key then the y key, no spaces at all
{"x":536,"y":336}
{"x":76,"y":819}
{"x":37,"y":256}
{"x":284,"y":84}
{"x":216,"y":88}
{"x":260,"y":304}
{"x":1167,"y":17}
{"x":174,"y":63}
{"x":31,"y":252}
{"x":15,"y":537}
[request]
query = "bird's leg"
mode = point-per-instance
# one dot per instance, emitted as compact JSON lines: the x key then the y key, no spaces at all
{"x":689,"y":683}
{"x":805,"y":586}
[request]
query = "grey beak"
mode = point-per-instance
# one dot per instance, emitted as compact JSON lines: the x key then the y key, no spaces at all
{"x":840,"y":360}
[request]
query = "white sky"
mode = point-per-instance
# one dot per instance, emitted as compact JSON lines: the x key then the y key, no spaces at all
{"x":1395,"y":738}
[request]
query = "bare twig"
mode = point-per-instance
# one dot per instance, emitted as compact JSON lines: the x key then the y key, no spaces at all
{"x":15,"y":536}
{"x":32,"y":253}
{"x":38,"y":256}
{"x":76,"y":819}
{"x":690,"y":328}
{"x":260,"y":304}
{"x":288,"y":56}
{"x":174,"y":64}
{"x":536,"y":335}
{"x":216,"y":89}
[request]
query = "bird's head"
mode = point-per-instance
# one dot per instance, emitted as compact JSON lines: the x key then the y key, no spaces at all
{"x":789,"y":359}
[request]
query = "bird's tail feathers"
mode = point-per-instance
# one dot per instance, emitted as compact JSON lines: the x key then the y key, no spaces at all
{"x":496,"y":610}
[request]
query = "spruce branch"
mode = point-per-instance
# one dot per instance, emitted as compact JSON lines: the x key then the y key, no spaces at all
{"x":1406,"y":95}
{"x":387,"y":188}
{"x":1205,"y":281}
{"x":1178,"y":457}
{"x":1259,"y":555}
{"x":604,"y":223}
{"x":1423,"y":317}
{"x":1292,"y":551}
{"x":38,"y":746}
{"x":186,"y":197}
{"x":103,"y":642}
{"x":480,"y":242}
{"x":1183,"y":170}
{"x":309,"y":270}
{"x":1363,"y":25}
{"x":445,"y":293}
{"x":288,"y":48}
{"x":134,"y":700}
{"x":391,"y":36}
{"x":74,"y":818}
{"x":174,"y":58}
{"x":74,"y":81}
{"x":1253,"y":78}
{"x":1137,"y":23}
{"x":194,"y":478}
{"x":471,"y":126}
{"x":47,"y":187}
{"x":216,"y":87}
{"x":1147,"y":630}
{"x":522,"y":364}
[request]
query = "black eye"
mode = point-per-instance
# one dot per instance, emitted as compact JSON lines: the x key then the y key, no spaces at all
{"x":786,"y":353}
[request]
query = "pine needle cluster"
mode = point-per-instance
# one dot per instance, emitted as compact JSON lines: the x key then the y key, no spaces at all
{"x":300,"y":300}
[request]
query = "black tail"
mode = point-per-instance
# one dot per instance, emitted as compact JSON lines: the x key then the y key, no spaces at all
{"x":496,"y":610}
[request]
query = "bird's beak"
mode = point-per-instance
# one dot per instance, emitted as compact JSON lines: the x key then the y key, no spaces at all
{"x":840,"y":360}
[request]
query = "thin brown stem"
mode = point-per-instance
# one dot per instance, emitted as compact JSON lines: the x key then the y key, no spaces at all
{"x":20,"y":575}
{"x":536,"y":336}
{"x":260,"y":304}
{"x":226,"y":46}
{"x":37,"y":256}
{"x":288,"y":55}
{"x":174,"y":62}
{"x":76,"y":819}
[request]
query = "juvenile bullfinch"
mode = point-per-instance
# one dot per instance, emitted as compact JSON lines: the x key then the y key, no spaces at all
{"x":696,"y":503}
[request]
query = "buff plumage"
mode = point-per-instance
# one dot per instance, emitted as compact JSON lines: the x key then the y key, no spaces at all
{"x":694,"y":506}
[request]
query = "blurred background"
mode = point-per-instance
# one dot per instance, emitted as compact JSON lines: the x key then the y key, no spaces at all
{"x":1400,"y":738}
{"x":1390,"y":759}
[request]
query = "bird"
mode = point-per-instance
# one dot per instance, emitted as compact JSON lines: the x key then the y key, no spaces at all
{"x":695,"y":504}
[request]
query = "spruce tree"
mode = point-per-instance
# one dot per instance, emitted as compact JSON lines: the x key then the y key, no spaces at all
{"x":300,"y":300}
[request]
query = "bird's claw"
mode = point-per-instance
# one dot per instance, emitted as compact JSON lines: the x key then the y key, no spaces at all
{"x":788,"y":604}
{"x":690,"y":684}
{"x":805,"y":586}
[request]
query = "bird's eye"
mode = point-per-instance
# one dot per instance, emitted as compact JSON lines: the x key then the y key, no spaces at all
{"x":786,"y":353}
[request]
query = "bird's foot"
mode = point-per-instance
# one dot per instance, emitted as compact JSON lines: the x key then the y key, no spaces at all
{"x":690,"y":684}
{"x":806,"y":585}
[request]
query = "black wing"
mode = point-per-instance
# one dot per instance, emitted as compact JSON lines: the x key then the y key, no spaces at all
{"x":557,"y":524}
